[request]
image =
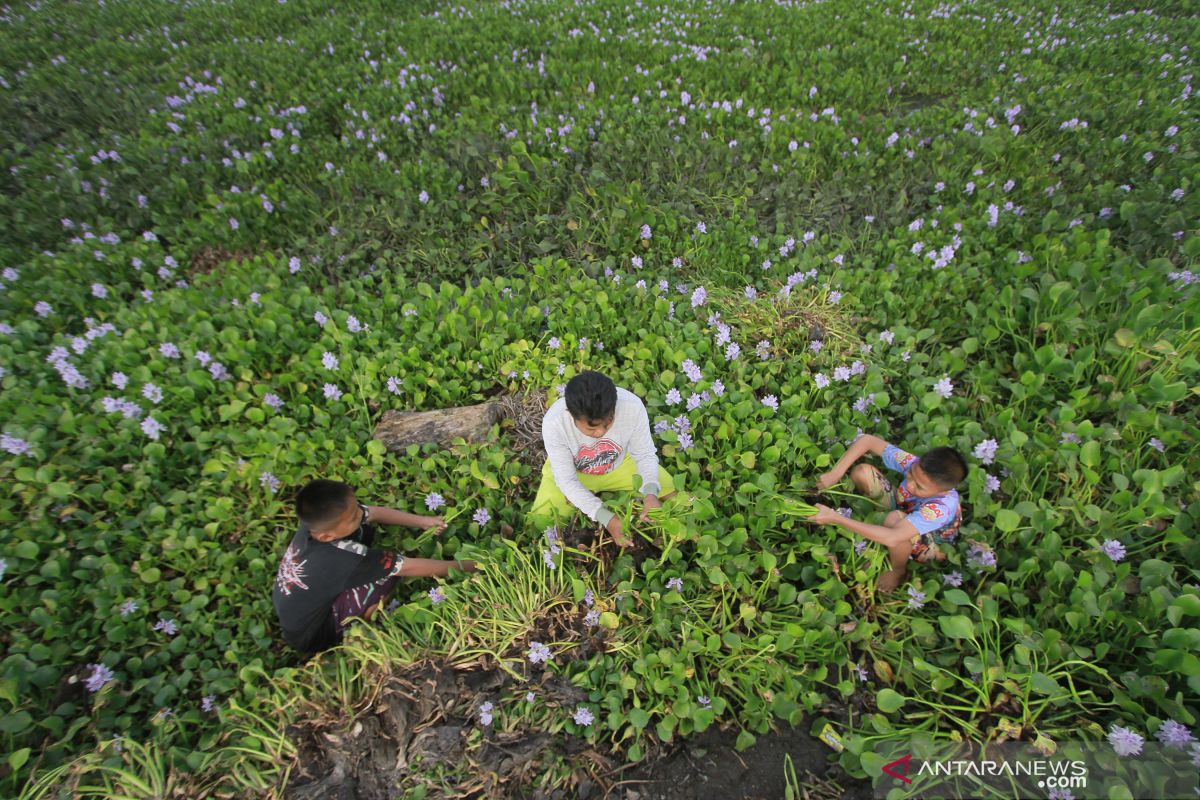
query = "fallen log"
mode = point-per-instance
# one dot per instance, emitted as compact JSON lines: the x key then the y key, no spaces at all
{"x":399,"y":429}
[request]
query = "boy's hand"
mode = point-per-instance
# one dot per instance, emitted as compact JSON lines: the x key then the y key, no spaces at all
{"x":828,"y":479}
{"x":466,"y":566}
{"x":648,"y":502}
{"x":435,"y":524}
{"x":825,"y":516}
{"x":614,"y":528}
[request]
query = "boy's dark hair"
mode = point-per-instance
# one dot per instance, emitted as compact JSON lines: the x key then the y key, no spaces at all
{"x":945,"y":466}
{"x":321,"y":501}
{"x":591,"y":397}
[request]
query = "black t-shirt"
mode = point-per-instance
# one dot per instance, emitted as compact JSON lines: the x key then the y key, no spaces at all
{"x":312,"y":574}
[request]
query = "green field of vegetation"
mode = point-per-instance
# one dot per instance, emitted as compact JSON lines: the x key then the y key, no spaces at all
{"x":238,"y":233}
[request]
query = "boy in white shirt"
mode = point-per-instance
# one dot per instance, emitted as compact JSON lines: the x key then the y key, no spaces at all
{"x":597,"y":438}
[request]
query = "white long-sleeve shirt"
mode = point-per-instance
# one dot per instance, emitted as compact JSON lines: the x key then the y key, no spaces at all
{"x":570,"y":451}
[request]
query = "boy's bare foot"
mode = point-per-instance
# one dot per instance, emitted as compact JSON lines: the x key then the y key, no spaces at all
{"x":889,"y":580}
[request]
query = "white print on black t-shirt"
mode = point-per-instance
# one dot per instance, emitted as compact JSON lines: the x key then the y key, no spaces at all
{"x":290,"y":573}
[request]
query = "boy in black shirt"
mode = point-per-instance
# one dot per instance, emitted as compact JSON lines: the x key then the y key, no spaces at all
{"x":330,"y":573}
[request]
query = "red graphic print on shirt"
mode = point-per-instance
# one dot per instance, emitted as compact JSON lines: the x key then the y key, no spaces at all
{"x":597,"y":459}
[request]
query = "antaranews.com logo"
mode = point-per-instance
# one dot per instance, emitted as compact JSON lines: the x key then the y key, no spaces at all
{"x":1016,"y":771}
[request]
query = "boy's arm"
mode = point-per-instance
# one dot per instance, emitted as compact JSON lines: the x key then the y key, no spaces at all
{"x":866,"y":443}
{"x":433,"y":568}
{"x":644,"y":454}
{"x":390,"y":516}
{"x":562,"y":467}
{"x":887,"y":536}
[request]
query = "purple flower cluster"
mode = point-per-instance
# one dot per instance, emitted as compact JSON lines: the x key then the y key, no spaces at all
{"x":13,"y":446}
{"x":434,"y":501}
{"x":981,"y":557}
{"x":539,"y":653}
{"x":985,"y":451}
{"x":481,"y":516}
{"x":1124,"y":741}
{"x":916,"y":599}
{"x":99,"y":676}
{"x":676,"y":584}
{"x":1113,"y":549}
{"x":944,"y":387}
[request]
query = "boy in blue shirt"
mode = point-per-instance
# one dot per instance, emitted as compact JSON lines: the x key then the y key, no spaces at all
{"x":925,"y":510}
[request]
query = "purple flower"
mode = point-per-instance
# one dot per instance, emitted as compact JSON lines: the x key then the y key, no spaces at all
{"x":1174,"y":735}
{"x":944,"y":387}
{"x":98,"y":290}
{"x":208,"y":703}
{"x":128,"y":607}
{"x":353,"y":325}
{"x":320,"y":318}
{"x":694,"y":400}
{"x":152,"y":393}
{"x":539,"y":653}
{"x":152,"y":427}
{"x":646,"y":232}
{"x":981,"y":557}
{"x":13,"y":446}
{"x":167,"y":626}
{"x":835,"y":297}
{"x":293,"y":265}
{"x":423,"y":197}
{"x":820,"y":380}
{"x":815,"y":345}
{"x":860,"y":546}
{"x":101,"y":675}
{"x":548,"y":559}
{"x":233,"y":223}
{"x":674,"y":397}
{"x":704,"y":701}
{"x":1113,"y":549}
{"x":692,"y":371}
{"x":751,"y":292}
{"x":916,"y":599}
{"x":332,"y":392}
{"x":676,"y":584}
{"x":583,"y":716}
{"x":771,"y":402}
{"x":718,"y":388}
{"x":482,"y":516}
{"x":1124,"y":741}
{"x":763,"y":349}
{"x":952,"y":579}
{"x":485,"y":714}
{"x":43,"y":309}
{"x":1070,"y":438}
{"x":699,"y":296}
{"x":393,"y":385}
{"x":434,"y":501}
{"x":991,"y":483}
{"x":685,"y":440}
{"x":273,"y":401}
{"x":985,"y":451}
{"x":1157,"y":445}
{"x":169,"y":350}
{"x":269,"y":481}
{"x":701,"y":227}
{"x":330,"y":361}
{"x":436,"y":595}
{"x":1058,"y":793}
{"x":841,"y":373}
{"x":592,"y":618}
